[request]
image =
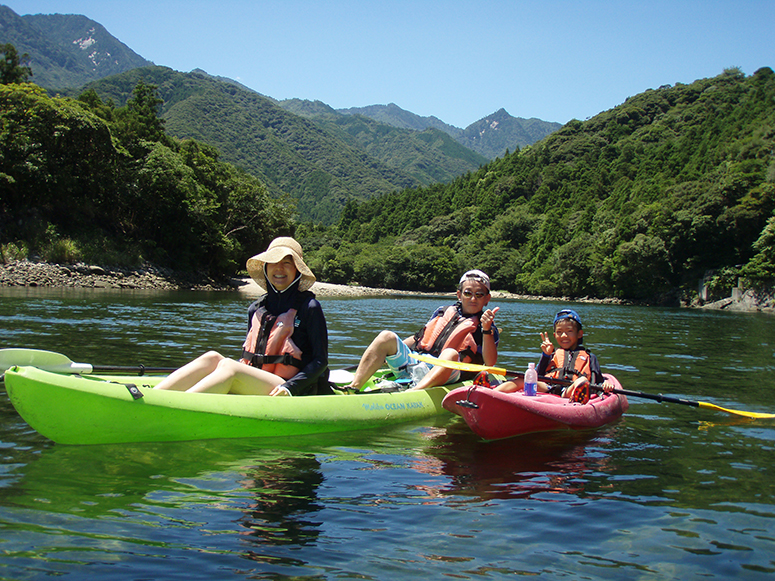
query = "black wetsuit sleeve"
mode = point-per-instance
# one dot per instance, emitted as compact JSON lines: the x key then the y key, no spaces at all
{"x":543,"y":363}
{"x":594,"y":367}
{"x":252,"y":311}
{"x":312,"y":338}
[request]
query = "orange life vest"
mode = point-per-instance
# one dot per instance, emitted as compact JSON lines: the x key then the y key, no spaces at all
{"x":449,"y":330}
{"x":570,"y":364}
{"x":269,"y":346}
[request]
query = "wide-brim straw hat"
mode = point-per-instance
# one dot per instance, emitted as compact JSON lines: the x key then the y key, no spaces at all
{"x":279,"y":249}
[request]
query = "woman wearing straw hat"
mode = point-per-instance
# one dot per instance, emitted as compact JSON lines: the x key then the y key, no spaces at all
{"x":286,"y":350}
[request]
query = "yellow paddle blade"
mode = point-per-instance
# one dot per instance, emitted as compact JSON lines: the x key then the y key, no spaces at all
{"x":461,"y":365}
{"x":711,"y":406}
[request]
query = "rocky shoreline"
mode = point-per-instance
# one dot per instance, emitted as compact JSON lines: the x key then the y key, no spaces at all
{"x":27,"y":273}
{"x":748,"y":301}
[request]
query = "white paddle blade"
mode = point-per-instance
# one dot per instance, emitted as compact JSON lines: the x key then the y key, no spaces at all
{"x":340,"y":376}
{"x":45,"y":360}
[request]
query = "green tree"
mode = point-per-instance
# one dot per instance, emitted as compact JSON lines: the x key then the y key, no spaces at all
{"x":58,"y":164}
{"x":140,"y":119}
{"x":12,"y":68}
{"x":761,"y":268}
{"x":641,"y":267}
{"x":74,"y":183}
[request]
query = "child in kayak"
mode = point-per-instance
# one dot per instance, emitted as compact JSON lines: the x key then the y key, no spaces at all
{"x":463,"y":331}
{"x":571,"y":361}
{"x":286,"y":350}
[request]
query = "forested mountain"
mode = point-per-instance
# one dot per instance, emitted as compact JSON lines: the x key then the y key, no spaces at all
{"x":66,"y":50}
{"x":394,"y":115}
{"x":322,"y":162}
{"x":639,"y":202}
{"x":348,"y":157}
{"x":290,"y":154}
{"x":428,"y":155}
{"x":491,"y":136}
{"x":500,"y":132}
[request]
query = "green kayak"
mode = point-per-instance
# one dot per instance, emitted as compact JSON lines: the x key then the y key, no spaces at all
{"x":100,"y":409}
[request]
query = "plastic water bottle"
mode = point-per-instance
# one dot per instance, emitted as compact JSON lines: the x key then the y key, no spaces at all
{"x":531,"y":379}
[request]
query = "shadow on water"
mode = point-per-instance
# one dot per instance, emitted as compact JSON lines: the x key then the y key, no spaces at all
{"x":95,"y":480}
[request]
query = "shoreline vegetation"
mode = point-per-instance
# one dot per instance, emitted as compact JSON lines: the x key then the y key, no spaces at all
{"x":26,"y":273}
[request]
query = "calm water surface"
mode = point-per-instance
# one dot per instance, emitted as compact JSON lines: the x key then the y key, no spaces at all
{"x":668,"y":492}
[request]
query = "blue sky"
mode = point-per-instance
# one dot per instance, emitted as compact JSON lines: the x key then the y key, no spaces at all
{"x":460,"y":61}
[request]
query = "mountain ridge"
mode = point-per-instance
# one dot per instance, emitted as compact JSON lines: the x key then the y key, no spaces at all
{"x":62,"y":55}
{"x":394,"y":115}
{"x":291,"y":154}
{"x":490,"y":136}
{"x":66,"y":50}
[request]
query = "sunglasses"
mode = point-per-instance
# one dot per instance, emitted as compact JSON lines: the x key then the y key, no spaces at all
{"x":478,"y":294}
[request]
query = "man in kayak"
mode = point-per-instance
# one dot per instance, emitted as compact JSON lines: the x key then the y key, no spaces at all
{"x":571,"y":361}
{"x":460,"y":332}
{"x":286,"y":350}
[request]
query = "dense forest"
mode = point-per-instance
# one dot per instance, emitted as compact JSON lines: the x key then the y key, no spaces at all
{"x":674,"y":187}
{"x":641,"y":202}
{"x":81,"y":179}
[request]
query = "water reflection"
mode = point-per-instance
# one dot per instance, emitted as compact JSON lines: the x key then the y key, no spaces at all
{"x":520,"y":467}
{"x":285,"y":493}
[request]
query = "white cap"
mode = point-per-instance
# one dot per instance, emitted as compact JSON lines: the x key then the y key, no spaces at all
{"x":476,"y":275}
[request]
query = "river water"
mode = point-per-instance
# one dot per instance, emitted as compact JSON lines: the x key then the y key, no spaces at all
{"x":667,"y":492}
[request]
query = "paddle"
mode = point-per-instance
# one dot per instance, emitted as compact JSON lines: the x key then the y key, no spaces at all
{"x":340,"y":376}
{"x":344,"y":376}
{"x":58,"y":363}
{"x":656,"y":397}
{"x":463,"y":366}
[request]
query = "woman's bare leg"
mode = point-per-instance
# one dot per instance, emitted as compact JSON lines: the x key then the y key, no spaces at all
{"x":234,"y":377}
{"x":192,"y":372}
{"x":511,"y":386}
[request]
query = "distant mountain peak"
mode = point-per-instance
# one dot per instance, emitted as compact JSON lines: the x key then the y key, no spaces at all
{"x":66,"y":50}
{"x":491,"y":136}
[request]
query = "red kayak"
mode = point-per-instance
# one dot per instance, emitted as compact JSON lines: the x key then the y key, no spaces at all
{"x":494,"y":415}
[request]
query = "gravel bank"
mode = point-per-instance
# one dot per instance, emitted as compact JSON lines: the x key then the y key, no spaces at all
{"x":42,"y":274}
{"x":26,"y":273}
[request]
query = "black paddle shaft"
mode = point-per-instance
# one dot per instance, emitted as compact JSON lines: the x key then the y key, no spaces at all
{"x":656,"y":397}
{"x":139,"y":369}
